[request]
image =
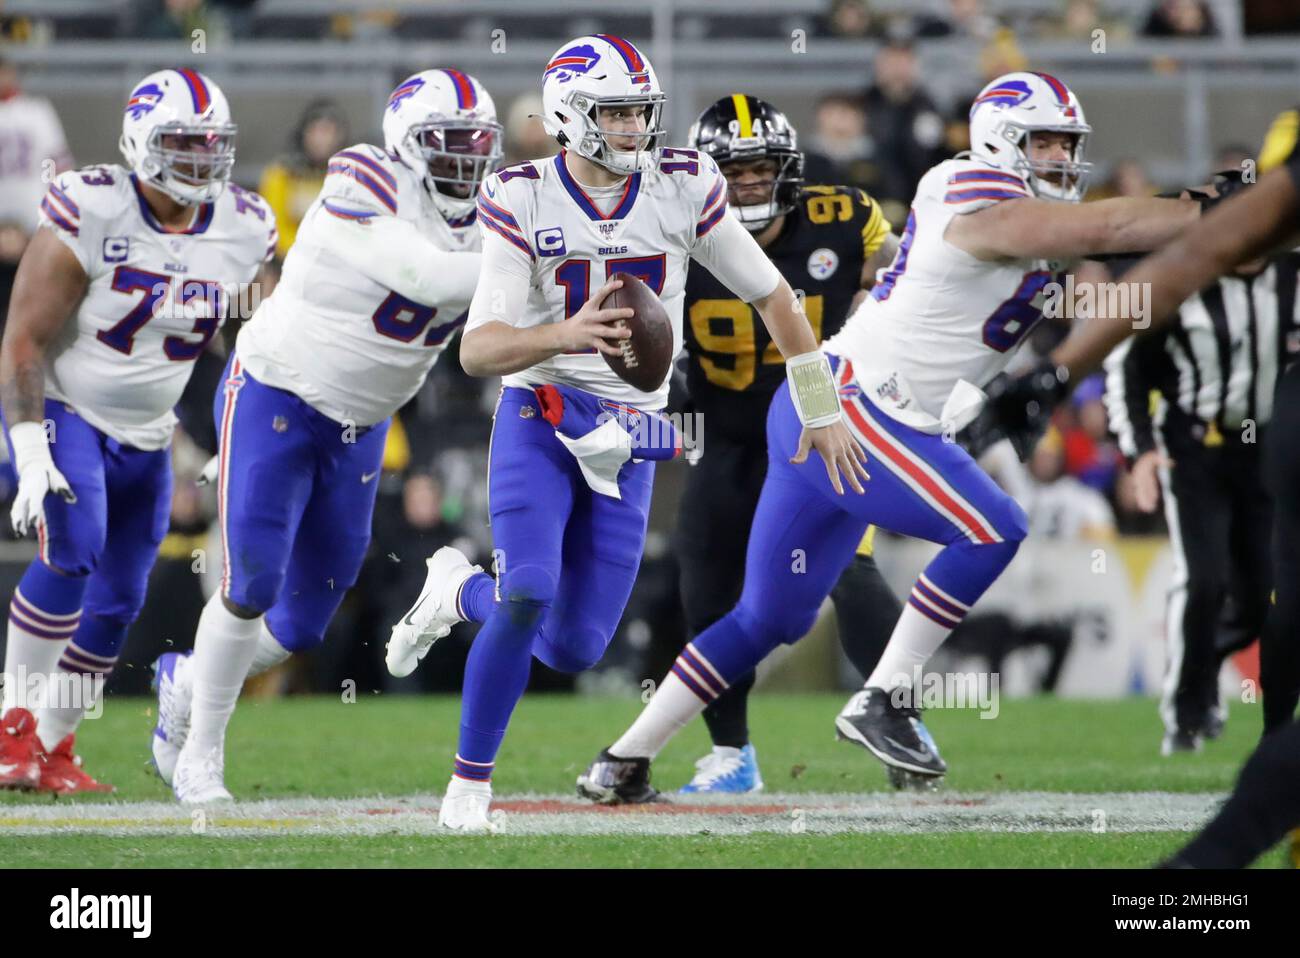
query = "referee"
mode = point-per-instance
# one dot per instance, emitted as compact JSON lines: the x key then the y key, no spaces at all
{"x":1190,"y":405}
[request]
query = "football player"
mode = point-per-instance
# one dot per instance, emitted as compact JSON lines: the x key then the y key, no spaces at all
{"x":828,"y":242}
{"x":376,"y":283}
{"x":984,"y":237}
{"x":120,"y":291}
{"x":569,"y":501}
{"x":1263,"y":218}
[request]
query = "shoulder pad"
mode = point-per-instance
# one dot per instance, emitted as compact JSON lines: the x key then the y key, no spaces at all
{"x":364,"y":173}
{"x":965,"y":186}
{"x":80,"y":196}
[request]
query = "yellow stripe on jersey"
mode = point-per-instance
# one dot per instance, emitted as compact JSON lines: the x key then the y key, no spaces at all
{"x":868,"y":544}
{"x":744,"y":121}
{"x":1280,"y":140}
{"x":876,"y":227}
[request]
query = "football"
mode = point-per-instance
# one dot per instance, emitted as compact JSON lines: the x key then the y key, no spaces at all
{"x":646,"y":356}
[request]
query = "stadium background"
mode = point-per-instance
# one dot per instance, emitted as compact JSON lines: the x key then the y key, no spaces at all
{"x":878,"y":90}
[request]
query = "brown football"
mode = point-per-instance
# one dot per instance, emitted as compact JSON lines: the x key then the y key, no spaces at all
{"x":647,"y":355}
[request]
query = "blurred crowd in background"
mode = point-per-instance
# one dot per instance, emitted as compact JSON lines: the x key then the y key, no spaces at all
{"x":881,"y":134}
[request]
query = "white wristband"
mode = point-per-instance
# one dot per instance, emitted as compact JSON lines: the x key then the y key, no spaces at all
{"x":29,"y":443}
{"x":812,"y":389}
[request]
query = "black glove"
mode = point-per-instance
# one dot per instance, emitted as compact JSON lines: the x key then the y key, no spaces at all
{"x":1227,"y":183}
{"x":1018,"y":409}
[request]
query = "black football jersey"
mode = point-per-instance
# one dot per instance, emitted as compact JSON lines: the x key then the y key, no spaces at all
{"x":733,"y":367}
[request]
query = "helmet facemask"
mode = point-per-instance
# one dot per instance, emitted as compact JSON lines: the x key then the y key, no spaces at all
{"x":191,"y":163}
{"x":596,"y":143}
{"x":1065,"y":180}
{"x":781,"y":188}
{"x":458,"y":156}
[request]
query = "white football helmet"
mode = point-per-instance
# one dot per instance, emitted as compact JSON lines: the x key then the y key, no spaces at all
{"x":601,"y":72}
{"x":1017,"y":104}
{"x":177,"y":135}
{"x":444,"y":124}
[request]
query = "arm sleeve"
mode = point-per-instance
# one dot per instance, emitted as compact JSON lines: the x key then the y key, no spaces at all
{"x":503,"y":282}
{"x":1128,"y":401}
{"x":393,"y":253}
{"x":732,"y":255}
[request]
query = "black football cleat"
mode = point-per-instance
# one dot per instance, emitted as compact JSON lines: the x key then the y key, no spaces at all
{"x":610,"y":780}
{"x":895,"y":734}
{"x":1215,"y":722}
{"x":1180,"y":740}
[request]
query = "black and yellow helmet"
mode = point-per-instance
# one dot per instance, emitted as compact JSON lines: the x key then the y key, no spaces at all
{"x":738,"y":128}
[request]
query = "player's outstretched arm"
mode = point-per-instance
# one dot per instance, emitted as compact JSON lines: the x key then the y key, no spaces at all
{"x":1235,"y":231}
{"x":49,"y":284}
{"x":1040,"y":229}
{"x":494,"y":347}
{"x":812,"y":389}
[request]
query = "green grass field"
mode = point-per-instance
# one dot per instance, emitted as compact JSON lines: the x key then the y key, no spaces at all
{"x":384,"y":748}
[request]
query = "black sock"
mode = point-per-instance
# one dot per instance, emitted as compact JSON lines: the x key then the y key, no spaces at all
{"x":866,"y":611}
{"x":728,"y":716}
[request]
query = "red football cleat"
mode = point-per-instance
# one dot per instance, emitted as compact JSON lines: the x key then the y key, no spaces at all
{"x":19,"y":750}
{"x":61,"y":772}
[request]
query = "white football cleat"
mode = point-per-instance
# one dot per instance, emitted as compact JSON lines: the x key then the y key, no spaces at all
{"x":465,"y":806}
{"x":199,"y":776}
{"x":172,"y":683}
{"x":434,"y":612}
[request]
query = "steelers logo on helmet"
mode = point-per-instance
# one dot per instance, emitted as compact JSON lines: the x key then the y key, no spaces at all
{"x":177,"y":135}
{"x":601,"y":99}
{"x":757,"y":150}
{"x":1007,"y":114}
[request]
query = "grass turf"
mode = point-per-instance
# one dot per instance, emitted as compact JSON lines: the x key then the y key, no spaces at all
{"x":392,"y":745}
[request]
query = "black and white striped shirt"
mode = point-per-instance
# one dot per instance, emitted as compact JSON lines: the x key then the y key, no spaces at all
{"x":1218,"y":363}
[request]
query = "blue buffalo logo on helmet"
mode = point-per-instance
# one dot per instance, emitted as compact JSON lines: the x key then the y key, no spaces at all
{"x":143,"y":100}
{"x":404,"y":92}
{"x":567,"y":64}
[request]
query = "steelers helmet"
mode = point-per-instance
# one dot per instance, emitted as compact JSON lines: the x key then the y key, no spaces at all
{"x":741,"y":127}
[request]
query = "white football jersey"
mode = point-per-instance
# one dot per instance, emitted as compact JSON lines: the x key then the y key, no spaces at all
{"x":155,"y":299}
{"x":348,"y":345}
{"x":32,"y":147}
{"x":558,"y":234}
{"x":938,"y":316}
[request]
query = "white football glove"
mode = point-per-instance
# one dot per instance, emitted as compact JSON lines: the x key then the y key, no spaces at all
{"x":37,"y":476}
{"x":208,"y":473}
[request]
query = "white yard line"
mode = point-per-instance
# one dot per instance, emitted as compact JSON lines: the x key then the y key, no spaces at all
{"x":564,"y":815}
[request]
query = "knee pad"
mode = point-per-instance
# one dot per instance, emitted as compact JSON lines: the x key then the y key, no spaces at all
{"x":765,"y":630}
{"x":583,"y":647}
{"x":257,"y":593}
{"x":1013,"y":524}
{"x":74,"y":554}
{"x":528,"y":590}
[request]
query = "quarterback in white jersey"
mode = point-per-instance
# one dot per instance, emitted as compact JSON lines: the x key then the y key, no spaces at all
{"x":122,"y":288}
{"x":983,"y":238}
{"x":569,"y":496}
{"x":378,"y":280}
